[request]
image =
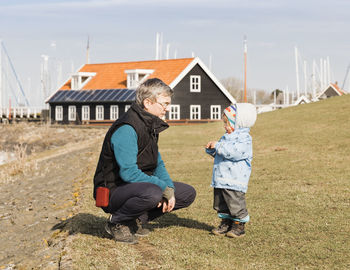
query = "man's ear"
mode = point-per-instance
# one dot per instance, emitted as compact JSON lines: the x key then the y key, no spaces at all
{"x":147,"y":103}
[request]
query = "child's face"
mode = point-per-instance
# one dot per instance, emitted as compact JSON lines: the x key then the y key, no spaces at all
{"x":227,"y":125}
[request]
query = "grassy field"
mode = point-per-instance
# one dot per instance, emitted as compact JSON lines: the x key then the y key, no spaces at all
{"x":298,"y":200}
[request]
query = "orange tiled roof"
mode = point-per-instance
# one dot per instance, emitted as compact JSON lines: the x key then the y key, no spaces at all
{"x":113,"y":76}
{"x":336,"y":87}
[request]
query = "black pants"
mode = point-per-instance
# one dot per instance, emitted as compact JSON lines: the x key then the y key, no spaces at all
{"x":140,"y":200}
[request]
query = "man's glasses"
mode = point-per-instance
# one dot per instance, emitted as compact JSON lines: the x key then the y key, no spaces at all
{"x":165,"y":105}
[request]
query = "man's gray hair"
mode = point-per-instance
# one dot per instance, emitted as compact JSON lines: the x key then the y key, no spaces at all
{"x":151,"y":89}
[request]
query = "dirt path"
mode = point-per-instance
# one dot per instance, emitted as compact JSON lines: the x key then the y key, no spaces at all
{"x":34,"y":203}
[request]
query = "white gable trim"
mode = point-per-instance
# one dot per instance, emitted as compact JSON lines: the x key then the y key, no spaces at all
{"x":302,"y":99}
{"x":329,"y":86}
{"x":208,"y":72}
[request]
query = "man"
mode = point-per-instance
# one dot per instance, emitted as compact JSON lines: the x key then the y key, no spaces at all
{"x":133,"y":170}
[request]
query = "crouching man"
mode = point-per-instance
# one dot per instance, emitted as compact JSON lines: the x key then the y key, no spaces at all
{"x":132,"y":169}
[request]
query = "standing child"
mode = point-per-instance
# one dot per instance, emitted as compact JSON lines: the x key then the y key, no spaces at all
{"x":232,"y":167}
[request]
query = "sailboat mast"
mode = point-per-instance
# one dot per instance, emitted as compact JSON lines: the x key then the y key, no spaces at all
{"x":245,"y":68}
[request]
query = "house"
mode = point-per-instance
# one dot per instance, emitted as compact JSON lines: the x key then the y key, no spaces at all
{"x":103,"y":92}
{"x":302,"y":100}
{"x":331,"y":90}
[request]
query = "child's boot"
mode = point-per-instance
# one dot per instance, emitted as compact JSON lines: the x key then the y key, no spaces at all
{"x":223,"y":228}
{"x":237,"y":230}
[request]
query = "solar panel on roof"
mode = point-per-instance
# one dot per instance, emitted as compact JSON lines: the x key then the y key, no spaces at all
{"x":58,"y":95}
{"x":105,"y":93}
{"x":130,"y":96}
{"x":89,"y":95}
{"x":116,"y":95}
{"x":100,"y":95}
{"x":110,"y":95}
{"x":72,"y":96}
{"x":80,"y":95}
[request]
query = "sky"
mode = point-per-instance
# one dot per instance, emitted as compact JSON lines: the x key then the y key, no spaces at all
{"x":125,"y":30}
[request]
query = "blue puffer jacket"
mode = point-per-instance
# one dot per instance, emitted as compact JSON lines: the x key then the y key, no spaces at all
{"x":233,"y":158}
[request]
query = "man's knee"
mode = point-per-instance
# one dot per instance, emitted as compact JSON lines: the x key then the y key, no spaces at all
{"x":152,"y":194}
{"x":191,"y":195}
{"x":185,"y":194}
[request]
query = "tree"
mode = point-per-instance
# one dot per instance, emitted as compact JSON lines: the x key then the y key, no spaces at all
{"x":235,"y":87}
{"x":277,"y":91}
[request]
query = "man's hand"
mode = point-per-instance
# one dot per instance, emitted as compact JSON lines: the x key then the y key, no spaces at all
{"x":211,"y":144}
{"x":167,"y":206}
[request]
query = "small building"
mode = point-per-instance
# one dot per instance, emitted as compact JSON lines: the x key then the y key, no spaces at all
{"x":302,"y":100}
{"x":331,"y":90}
{"x":103,"y":92}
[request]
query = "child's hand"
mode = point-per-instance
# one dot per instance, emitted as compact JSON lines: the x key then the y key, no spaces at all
{"x":211,"y":144}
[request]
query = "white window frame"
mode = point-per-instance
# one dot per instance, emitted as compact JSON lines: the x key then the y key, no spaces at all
{"x":195,"y":112}
{"x":85,"y":113}
{"x":174,"y":112}
{"x":195,"y":83}
{"x":80,"y":79}
{"x":99,"y":114}
{"x":59,"y":113}
{"x":127,"y":107}
{"x":72,"y":113}
{"x":215,"y":115}
{"x":114,"y":112}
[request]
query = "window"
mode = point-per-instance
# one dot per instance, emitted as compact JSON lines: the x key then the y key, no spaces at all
{"x":195,"y":112}
{"x":80,"y":79}
{"x":85,"y":115}
{"x":174,"y":112}
{"x":136,"y":76}
{"x":99,"y":112}
{"x":195,"y":82}
{"x":127,"y":107}
{"x":114,"y":114}
{"x":215,"y":112}
{"x":72,"y":113}
{"x":59,"y":113}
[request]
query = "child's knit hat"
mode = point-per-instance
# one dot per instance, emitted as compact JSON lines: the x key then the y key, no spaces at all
{"x":241,"y":115}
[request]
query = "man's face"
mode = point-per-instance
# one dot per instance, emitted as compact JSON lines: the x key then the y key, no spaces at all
{"x":158,"y":107}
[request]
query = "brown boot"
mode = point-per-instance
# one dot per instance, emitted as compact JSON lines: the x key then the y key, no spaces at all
{"x":121,"y":232}
{"x":139,"y":230}
{"x":237,"y":230}
{"x":223,"y":228}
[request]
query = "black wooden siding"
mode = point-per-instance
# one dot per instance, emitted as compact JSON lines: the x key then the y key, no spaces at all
{"x":209,"y":95}
{"x":106,"y":111}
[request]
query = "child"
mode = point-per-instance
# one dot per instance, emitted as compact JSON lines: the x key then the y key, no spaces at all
{"x":232,"y":167}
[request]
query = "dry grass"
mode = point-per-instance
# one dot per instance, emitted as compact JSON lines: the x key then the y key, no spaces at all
{"x":298,"y":199}
{"x":28,"y":144}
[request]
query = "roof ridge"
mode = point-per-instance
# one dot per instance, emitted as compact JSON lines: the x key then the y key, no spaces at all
{"x":143,"y":61}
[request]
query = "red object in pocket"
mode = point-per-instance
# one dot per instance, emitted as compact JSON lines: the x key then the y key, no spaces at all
{"x":102,"y":197}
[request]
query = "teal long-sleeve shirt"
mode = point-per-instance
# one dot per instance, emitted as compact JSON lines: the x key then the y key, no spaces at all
{"x":124,"y":143}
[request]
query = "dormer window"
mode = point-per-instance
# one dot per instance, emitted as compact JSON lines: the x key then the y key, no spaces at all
{"x":80,"y":79}
{"x":137,"y":76}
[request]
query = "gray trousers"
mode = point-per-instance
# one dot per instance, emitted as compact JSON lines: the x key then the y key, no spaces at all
{"x":232,"y":202}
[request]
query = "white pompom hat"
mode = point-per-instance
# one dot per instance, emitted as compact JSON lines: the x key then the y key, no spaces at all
{"x":241,"y":115}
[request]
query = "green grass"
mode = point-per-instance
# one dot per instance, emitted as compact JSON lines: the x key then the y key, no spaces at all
{"x":298,"y":200}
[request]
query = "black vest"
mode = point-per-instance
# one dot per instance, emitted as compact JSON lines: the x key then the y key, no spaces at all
{"x":147,"y":127}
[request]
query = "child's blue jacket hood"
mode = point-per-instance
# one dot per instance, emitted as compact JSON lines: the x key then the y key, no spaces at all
{"x":233,"y":157}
